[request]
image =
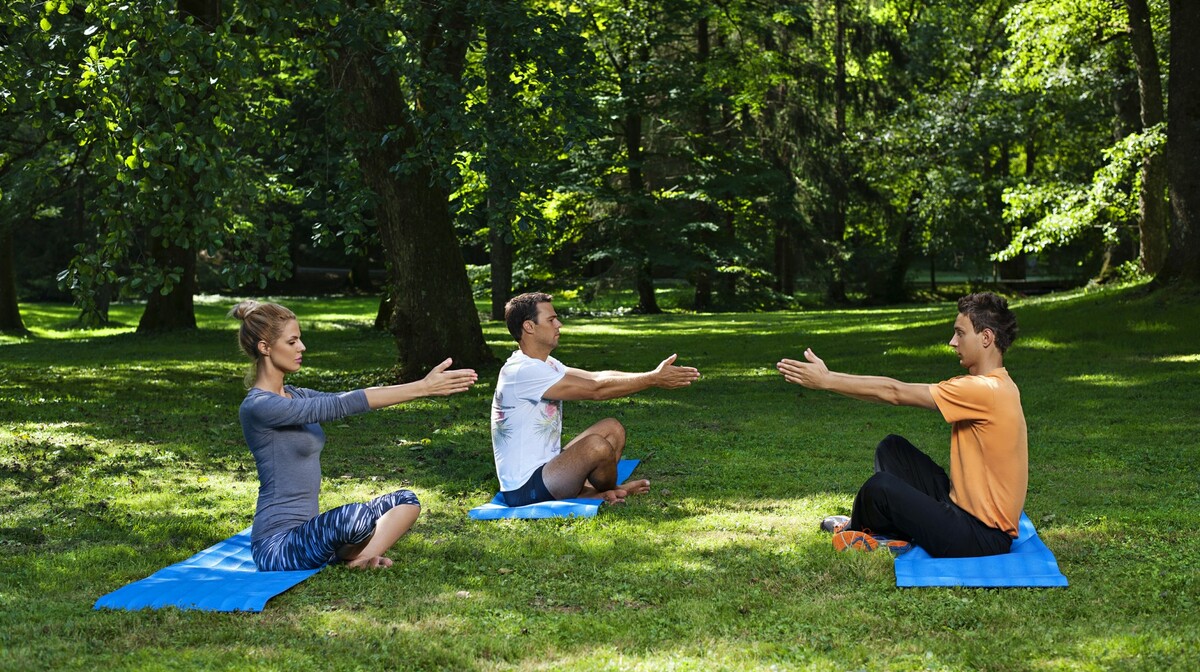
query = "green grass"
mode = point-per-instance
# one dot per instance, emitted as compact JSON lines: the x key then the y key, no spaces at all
{"x":120,"y":454}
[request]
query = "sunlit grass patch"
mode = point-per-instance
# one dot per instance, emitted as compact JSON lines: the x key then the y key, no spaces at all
{"x":1104,"y":380}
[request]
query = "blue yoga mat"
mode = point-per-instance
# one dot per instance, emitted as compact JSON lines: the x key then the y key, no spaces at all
{"x":1029,"y":564}
{"x":219,"y":578}
{"x":563,"y":508}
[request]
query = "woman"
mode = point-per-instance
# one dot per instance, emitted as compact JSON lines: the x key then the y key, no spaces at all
{"x":280,"y":423}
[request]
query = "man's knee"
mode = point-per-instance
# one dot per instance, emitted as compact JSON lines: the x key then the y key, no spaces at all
{"x":891,"y":446}
{"x":599,"y":446}
{"x":613,"y":430}
{"x":879,"y":486}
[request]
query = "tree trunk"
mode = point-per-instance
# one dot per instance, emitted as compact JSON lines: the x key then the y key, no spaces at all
{"x":1183,"y":144}
{"x":500,"y":192}
{"x":383,"y":316}
{"x":500,"y":255}
{"x":175,"y":309}
{"x":896,"y":289}
{"x":785,"y":257}
{"x":10,"y":309}
{"x":433,"y":315}
{"x":703,"y":275}
{"x":1152,"y":204}
{"x":839,"y":191}
{"x":359,"y":279}
{"x":702,"y":294}
{"x":643,"y":271}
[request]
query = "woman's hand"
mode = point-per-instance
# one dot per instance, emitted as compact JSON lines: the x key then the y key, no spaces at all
{"x":439,"y":382}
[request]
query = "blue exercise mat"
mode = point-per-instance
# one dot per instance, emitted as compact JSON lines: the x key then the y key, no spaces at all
{"x":563,"y":508}
{"x":1029,"y":564}
{"x":219,"y":578}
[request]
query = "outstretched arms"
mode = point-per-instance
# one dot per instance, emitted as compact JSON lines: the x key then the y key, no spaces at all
{"x":813,"y":374}
{"x":437,"y":383}
{"x":596,"y":386}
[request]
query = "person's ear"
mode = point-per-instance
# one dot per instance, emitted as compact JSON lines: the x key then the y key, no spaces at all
{"x":263,"y":348}
{"x":988,"y":337}
{"x":527,"y":326}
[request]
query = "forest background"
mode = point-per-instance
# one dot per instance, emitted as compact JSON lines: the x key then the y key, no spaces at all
{"x":754,"y":155}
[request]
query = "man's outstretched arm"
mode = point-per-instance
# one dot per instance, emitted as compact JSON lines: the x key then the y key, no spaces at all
{"x":813,"y":374}
{"x":596,"y":386}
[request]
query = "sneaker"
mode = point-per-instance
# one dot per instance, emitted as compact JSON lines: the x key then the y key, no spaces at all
{"x":854,"y":539}
{"x":835,"y":524}
{"x":896,"y":546}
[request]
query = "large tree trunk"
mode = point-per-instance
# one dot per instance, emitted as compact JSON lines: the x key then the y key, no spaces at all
{"x":896,"y":289}
{"x":643,"y":269}
{"x":176,"y":309}
{"x":1152,"y":204}
{"x":1183,"y":144}
{"x":500,"y":192}
{"x":433,"y":315}
{"x":10,"y":309}
{"x":839,"y":191}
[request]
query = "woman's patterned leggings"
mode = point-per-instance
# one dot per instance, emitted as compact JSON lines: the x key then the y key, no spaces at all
{"x":315,"y":543}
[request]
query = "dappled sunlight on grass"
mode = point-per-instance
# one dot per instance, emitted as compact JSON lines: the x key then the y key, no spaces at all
{"x":1036,"y":343}
{"x":1144,"y":327}
{"x":932,"y":350}
{"x":1104,"y":380}
{"x":1178,"y":359}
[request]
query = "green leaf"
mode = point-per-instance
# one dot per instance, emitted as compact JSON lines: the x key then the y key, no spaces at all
{"x":44,"y":24}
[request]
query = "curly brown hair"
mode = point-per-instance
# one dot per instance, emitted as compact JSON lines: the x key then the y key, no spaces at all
{"x":989,"y":311}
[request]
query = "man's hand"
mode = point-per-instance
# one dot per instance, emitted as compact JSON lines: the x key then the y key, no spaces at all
{"x":814,"y":375}
{"x":810,"y":374}
{"x":668,"y":376}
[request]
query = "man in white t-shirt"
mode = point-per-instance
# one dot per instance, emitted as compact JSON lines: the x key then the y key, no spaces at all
{"x":531,"y":463}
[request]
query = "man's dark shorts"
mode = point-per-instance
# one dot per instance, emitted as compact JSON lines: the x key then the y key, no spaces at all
{"x":532,"y":492}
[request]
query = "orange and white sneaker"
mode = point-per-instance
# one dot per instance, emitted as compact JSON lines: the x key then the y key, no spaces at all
{"x":854,"y":540}
{"x":845,"y":540}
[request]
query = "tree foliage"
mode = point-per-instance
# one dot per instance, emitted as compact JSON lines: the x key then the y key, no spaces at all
{"x":751,"y":150}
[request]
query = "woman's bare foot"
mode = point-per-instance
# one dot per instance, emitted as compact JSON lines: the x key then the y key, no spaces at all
{"x":375,"y":562}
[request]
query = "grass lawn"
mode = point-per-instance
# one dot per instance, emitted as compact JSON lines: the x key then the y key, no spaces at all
{"x":121,"y":454}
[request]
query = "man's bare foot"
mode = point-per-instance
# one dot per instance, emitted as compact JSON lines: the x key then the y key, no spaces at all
{"x":638,"y":487}
{"x":617,"y":495}
{"x":614,"y":496}
{"x":376,"y":562}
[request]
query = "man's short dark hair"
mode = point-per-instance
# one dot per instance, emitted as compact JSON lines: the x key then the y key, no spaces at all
{"x":989,"y":311}
{"x":523,"y":307}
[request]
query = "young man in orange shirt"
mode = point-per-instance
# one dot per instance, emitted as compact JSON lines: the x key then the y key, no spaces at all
{"x":973,"y":511}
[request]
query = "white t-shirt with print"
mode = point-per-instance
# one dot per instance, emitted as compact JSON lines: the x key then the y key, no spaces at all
{"x":526,"y":428}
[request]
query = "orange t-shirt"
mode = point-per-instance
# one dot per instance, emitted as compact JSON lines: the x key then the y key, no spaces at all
{"x":989,"y":446}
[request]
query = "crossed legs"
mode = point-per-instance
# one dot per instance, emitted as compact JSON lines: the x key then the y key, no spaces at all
{"x":908,"y":497}
{"x":388,"y":530}
{"x":587,"y":466}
